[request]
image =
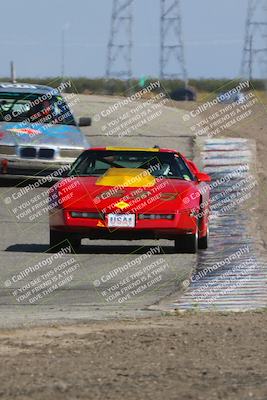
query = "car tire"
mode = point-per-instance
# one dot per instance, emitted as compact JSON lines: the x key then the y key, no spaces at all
{"x":60,"y":240}
{"x":203,"y":242}
{"x":186,"y":244}
{"x":75,"y":244}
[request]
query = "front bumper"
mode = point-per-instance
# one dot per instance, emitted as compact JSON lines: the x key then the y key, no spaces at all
{"x":183,"y":223}
{"x":15,"y":167}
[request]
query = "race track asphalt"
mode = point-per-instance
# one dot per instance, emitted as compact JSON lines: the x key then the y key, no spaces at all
{"x":24,"y":244}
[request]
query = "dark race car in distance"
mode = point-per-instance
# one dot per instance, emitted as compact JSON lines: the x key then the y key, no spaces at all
{"x":129,"y":194}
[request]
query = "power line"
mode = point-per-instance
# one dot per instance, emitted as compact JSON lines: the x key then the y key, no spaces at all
{"x":255,"y":44}
{"x":172,"y":61}
{"x":119,"y":59}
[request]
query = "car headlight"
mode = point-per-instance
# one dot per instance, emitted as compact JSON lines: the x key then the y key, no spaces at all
{"x":76,"y":214}
{"x":70,"y":153}
{"x":8,"y":150}
{"x":156,"y":216}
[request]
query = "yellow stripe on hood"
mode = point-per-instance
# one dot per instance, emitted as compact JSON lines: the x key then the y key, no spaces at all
{"x":127,"y":177}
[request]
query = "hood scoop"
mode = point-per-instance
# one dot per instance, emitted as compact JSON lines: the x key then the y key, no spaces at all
{"x":127,"y":177}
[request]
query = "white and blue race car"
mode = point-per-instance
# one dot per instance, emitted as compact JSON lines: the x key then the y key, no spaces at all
{"x":38,"y":132}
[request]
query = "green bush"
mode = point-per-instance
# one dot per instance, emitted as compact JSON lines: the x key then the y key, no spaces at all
{"x":123,"y":88}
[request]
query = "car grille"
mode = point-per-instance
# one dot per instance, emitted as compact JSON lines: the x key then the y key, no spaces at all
{"x":28,"y":152}
{"x":32,"y":152}
{"x":46,"y":153}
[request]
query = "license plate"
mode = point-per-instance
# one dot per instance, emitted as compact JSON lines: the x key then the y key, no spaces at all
{"x":121,"y":220}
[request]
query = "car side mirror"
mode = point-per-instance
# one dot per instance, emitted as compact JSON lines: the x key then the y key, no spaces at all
{"x":85,"y":121}
{"x":202,"y":177}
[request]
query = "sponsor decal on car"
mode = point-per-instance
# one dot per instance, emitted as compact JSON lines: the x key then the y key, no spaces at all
{"x":25,"y":131}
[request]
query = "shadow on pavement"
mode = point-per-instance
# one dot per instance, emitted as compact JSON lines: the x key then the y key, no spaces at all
{"x":92,"y":249}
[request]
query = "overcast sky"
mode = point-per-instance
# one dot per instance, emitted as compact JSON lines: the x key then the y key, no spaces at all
{"x":30,"y":34}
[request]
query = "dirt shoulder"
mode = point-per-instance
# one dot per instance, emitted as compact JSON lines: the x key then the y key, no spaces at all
{"x":192,"y":356}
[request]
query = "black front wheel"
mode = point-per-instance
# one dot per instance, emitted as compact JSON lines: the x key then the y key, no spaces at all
{"x":203,"y":242}
{"x":61,"y":240}
{"x":186,"y":243}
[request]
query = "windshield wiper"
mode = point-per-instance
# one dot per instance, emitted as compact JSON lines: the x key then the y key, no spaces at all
{"x":172,"y":177}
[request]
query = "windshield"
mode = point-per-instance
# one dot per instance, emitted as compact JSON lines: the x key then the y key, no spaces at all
{"x":97,"y":163}
{"x":31,"y":108}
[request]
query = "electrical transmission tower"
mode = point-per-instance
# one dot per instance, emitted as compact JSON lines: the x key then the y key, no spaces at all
{"x":172,"y":62}
{"x":119,"y":60}
{"x":254,"y":58}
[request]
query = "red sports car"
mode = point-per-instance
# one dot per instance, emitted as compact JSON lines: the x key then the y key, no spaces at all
{"x":131,"y":193}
